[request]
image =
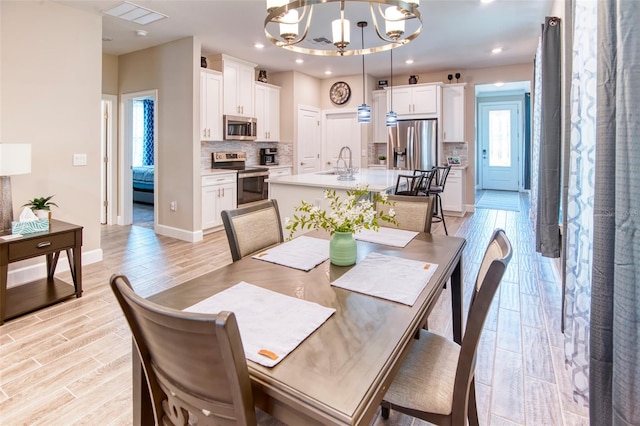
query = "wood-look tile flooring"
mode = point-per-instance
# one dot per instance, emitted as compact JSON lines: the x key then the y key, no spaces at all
{"x":70,"y":364}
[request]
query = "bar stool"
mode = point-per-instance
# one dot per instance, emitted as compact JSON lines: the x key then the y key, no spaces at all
{"x":437,"y":188}
{"x":408,"y":184}
{"x":427,"y":180}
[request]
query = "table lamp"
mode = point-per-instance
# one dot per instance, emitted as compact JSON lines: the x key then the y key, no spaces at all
{"x":15,"y":159}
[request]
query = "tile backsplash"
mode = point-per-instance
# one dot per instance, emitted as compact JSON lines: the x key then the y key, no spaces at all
{"x":455,"y":150}
{"x":285,"y":151}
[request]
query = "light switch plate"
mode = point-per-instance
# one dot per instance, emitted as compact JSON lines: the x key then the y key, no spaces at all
{"x":79,"y":159}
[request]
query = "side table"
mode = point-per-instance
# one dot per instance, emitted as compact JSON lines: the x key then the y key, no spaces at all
{"x":38,"y":294}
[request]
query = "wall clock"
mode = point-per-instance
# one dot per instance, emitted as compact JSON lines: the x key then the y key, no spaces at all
{"x":340,"y":93}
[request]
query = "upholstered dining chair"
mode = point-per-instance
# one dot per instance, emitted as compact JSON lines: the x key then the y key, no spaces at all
{"x":194,"y":363}
{"x":436,"y":187}
{"x":436,"y":381}
{"x":412,"y":213}
{"x":252,"y":228}
{"x":408,"y":184}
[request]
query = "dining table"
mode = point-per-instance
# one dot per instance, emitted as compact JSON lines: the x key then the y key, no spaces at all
{"x":339,"y":374}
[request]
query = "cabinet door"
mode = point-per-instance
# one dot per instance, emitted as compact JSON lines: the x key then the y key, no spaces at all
{"x":261,"y":112}
{"x":453,"y":114}
{"x":453,"y":195}
{"x":203,"y":106}
{"x":401,"y":102}
{"x":245,"y":89}
{"x":425,"y":100}
{"x":273,"y":114}
{"x":231,"y":82}
{"x":226,"y":199}
{"x":380,"y":133}
{"x":279,"y":171}
{"x":211,"y":110}
{"x":209,"y":206}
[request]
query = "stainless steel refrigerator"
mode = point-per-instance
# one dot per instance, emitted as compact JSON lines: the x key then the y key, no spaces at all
{"x":413,"y":145}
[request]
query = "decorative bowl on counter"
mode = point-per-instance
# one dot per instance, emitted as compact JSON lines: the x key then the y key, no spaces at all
{"x":345,"y":173}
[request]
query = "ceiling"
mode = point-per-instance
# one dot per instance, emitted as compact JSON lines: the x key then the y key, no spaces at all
{"x":456,"y":34}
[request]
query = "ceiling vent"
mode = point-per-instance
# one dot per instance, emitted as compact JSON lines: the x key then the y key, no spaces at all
{"x":322,"y":40}
{"x":134,"y":13}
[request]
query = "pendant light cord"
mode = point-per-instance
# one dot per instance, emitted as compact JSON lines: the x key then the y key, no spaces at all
{"x":391,"y":80}
{"x":362,"y":34}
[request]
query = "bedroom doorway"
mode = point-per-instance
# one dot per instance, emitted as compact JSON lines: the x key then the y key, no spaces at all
{"x":138,"y":196}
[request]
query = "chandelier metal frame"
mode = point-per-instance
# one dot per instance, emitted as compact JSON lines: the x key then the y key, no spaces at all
{"x":409,"y":11}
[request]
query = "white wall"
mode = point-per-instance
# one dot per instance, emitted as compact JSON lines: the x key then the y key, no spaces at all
{"x":50,"y":78}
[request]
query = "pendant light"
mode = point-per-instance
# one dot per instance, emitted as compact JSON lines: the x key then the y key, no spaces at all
{"x":364,"y":110}
{"x":392,"y":117}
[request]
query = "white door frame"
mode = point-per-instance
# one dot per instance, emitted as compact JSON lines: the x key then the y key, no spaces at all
{"x":356,"y":153}
{"x":125,"y":188}
{"x":519,"y":137}
{"x":109,"y":129}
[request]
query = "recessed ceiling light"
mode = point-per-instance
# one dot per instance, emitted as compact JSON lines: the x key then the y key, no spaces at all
{"x":141,"y":33}
{"x":259,"y":46}
{"x":134,"y":13}
{"x":486,"y":1}
{"x":299,"y":61}
{"x":498,"y":84}
{"x":496,"y":50}
{"x":409,"y":61}
{"x":328,"y":72}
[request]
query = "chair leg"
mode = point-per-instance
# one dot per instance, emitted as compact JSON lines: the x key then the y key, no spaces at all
{"x":439,"y":202}
{"x":472,"y":410}
{"x":385,"y":410}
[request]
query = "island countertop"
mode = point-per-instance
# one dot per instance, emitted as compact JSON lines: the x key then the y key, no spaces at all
{"x":377,"y":180}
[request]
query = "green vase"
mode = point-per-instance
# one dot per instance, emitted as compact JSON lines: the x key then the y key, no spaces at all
{"x":342,"y":249}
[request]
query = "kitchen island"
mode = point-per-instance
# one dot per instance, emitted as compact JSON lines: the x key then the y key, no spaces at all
{"x":290,"y":190}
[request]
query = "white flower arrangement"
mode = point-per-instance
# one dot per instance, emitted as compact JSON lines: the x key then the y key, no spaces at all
{"x":355,"y":213}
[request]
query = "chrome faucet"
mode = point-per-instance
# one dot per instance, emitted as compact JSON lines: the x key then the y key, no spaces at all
{"x":340,"y":157}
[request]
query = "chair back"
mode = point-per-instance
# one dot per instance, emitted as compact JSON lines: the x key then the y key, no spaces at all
{"x":194,"y":363}
{"x":427,"y":180}
{"x":494,"y":263}
{"x":439,"y":179}
{"x":252,"y":228}
{"x":412,"y":213}
{"x":408,"y":184}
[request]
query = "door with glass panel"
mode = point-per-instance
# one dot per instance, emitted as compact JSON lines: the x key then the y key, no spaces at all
{"x":499,"y":147}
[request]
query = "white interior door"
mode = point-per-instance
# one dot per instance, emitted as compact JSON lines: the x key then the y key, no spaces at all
{"x":341,"y":129}
{"x":308,"y":140}
{"x":499,"y":147}
{"x":108,"y":132}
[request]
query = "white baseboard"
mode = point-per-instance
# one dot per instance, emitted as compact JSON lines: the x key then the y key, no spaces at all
{"x":26,"y":274}
{"x":180,"y":234}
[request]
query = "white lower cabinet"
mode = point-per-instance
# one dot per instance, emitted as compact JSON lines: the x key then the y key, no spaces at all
{"x":453,"y":197}
{"x":218,"y":194}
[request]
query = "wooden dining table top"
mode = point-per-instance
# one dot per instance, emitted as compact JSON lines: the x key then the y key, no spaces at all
{"x":339,"y":374}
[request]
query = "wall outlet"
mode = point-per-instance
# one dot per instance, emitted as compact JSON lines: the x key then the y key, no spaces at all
{"x":173,"y":206}
{"x":79,"y":159}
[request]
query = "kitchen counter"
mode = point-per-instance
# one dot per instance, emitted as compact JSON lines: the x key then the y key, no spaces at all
{"x":210,"y":172}
{"x":377,"y":179}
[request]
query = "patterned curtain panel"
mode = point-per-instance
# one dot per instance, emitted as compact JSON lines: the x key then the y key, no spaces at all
{"x":147,"y":146}
{"x":614,"y":369}
{"x":578,"y":213}
{"x":535,"y":141}
{"x":548,"y":200}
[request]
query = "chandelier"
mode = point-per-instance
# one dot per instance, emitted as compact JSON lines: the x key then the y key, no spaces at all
{"x":285,"y":19}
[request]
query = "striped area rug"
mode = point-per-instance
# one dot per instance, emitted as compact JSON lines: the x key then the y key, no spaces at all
{"x":499,"y":200}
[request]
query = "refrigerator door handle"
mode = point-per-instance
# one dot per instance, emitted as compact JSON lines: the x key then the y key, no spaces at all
{"x":410,"y":160}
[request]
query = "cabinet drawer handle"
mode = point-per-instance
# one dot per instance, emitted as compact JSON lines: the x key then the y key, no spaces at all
{"x":44,"y":244}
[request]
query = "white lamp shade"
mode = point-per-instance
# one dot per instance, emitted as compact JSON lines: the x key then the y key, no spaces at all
{"x":15,"y":159}
{"x":289,"y":23}
{"x":337,"y":29}
{"x":394,"y":20}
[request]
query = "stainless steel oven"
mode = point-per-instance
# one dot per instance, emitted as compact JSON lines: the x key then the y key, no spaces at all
{"x":251,"y":180}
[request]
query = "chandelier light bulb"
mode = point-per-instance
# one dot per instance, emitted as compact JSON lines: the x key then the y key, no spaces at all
{"x":341,"y":30}
{"x":394,"y":22}
{"x":289,"y":25}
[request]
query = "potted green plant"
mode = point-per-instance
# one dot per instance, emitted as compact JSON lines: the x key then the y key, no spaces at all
{"x":382,"y":159}
{"x":41,"y":206}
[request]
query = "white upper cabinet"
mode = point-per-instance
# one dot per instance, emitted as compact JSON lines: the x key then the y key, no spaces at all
{"x":267,"y":112}
{"x":239,"y":83}
{"x":416,"y":100}
{"x":379,"y":113}
{"x":453,"y":113}
{"x":210,"y":105}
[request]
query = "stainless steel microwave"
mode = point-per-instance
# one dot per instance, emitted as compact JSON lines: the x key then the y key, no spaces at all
{"x":238,"y":128}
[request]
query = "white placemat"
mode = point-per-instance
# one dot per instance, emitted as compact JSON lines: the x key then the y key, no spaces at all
{"x":387,"y":236}
{"x":300,"y":253}
{"x":388,"y":277}
{"x":269,"y":322}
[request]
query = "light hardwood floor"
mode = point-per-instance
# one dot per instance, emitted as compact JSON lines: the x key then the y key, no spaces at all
{"x":70,"y":364}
